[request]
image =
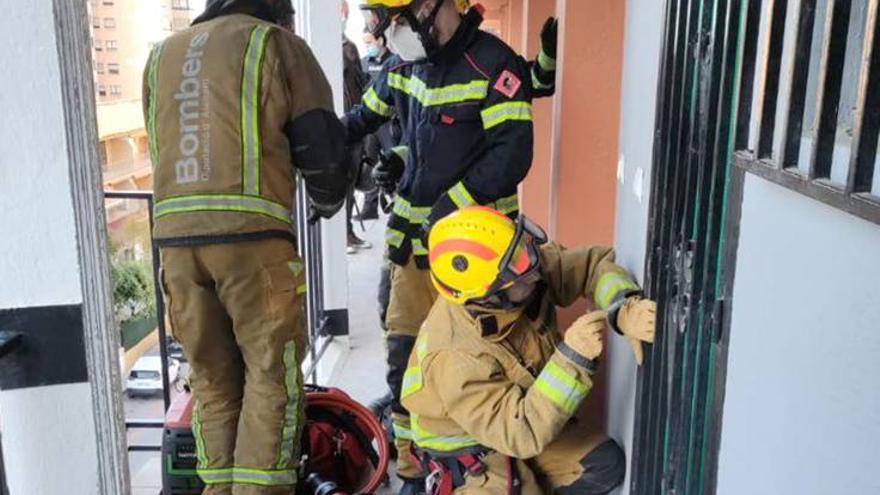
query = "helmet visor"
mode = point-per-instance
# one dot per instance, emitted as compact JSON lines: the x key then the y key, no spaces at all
{"x":522,"y":261}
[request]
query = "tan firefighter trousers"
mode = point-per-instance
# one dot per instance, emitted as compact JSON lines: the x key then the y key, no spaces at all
{"x":237,"y":311}
{"x":412,"y":296}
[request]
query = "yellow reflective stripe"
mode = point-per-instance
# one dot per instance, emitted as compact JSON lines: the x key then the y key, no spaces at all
{"x":537,"y":84}
{"x":546,"y":63}
{"x":152,"y":83}
{"x":250,"y":110}
{"x":412,"y":381}
{"x":394,"y":238}
{"x":401,"y":432}
{"x":444,"y":443}
{"x":461,"y":196}
{"x":372,"y":101}
{"x":293,"y":409}
{"x":610,"y":284}
{"x":296,"y":267}
{"x":261,"y":477}
{"x":201,"y":455}
{"x":216,"y":476}
{"x":561,"y":388}
{"x":504,"y":112}
{"x":222,"y":202}
{"x":421,"y":349}
{"x":419,"y":249}
{"x":401,"y":151}
{"x":415,"y":214}
{"x":476,"y":90}
{"x":507,"y":205}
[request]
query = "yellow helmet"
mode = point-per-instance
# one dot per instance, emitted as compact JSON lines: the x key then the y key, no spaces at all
{"x":461,"y":5}
{"x":388,"y":4}
{"x":477,"y":252}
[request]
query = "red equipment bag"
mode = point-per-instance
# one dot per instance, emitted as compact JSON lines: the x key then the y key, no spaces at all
{"x":343,"y":446}
{"x":343,"y":442}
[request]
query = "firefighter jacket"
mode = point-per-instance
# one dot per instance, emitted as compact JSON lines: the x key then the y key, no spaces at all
{"x":231,"y":106}
{"x":466,"y":116}
{"x":504,"y":380}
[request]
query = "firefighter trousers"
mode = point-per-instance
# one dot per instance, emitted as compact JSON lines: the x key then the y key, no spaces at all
{"x":578,"y":462}
{"x":236,"y":309}
{"x":412,"y":296}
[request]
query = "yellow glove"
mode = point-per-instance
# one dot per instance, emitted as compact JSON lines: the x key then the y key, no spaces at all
{"x":584,"y":336}
{"x":636,"y":321}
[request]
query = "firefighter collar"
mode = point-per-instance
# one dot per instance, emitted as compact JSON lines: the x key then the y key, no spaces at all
{"x":460,"y":41}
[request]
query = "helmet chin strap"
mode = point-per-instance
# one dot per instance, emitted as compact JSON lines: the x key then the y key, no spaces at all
{"x":423,"y":28}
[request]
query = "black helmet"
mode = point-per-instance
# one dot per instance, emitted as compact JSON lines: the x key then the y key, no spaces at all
{"x":275,"y":11}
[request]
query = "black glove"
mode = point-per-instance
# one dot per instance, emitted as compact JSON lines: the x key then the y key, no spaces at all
{"x":549,"y":36}
{"x":388,"y":171}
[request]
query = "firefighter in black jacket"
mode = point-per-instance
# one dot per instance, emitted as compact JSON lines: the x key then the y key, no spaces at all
{"x":464,"y":101}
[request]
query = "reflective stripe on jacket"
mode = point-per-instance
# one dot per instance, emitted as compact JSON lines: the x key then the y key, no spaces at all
{"x":511,"y":391}
{"x":217,"y":98}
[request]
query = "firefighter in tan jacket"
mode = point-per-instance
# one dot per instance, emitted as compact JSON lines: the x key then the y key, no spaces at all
{"x":235,"y":106}
{"x":493,"y":388}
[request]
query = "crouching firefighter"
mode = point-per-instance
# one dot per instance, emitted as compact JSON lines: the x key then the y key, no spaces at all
{"x":493,"y":388}
{"x":235,"y":106}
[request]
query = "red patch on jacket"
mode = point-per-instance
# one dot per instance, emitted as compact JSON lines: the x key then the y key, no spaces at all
{"x":508,"y":84}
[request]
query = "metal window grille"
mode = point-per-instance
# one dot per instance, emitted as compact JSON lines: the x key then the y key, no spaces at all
{"x":680,"y":386}
{"x":812,"y":117}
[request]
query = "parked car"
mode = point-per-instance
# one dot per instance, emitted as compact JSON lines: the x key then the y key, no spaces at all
{"x":145,"y":377}
{"x":175,"y":350}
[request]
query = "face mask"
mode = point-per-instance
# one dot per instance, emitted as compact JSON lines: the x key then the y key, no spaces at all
{"x":372,"y":51}
{"x":403,"y":41}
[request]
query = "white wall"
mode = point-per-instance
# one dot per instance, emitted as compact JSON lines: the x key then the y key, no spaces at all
{"x":33,"y":164}
{"x":802,"y":408}
{"x":49,"y":437}
{"x":642,"y":50}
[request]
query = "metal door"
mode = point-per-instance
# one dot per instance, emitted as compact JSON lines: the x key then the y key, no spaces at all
{"x":679,"y":398}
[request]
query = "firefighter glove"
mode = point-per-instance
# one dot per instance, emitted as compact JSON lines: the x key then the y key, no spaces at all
{"x":549,"y":37}
{"x":584,"y":336}
{"x":389,"y":170}
{"x":636,"y":321}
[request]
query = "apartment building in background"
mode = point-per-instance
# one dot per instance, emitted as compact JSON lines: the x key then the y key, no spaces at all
{"x":123,"y":32}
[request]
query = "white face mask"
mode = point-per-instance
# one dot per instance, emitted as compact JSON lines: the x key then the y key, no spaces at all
{"x":405,"y":42}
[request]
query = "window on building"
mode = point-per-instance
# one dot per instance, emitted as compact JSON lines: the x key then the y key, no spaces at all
{"x":180,"y":4}
{"x":115,"y":90}
{"x":99,"y":68}
{"x":110,"y":22}
{"x":108,"y":2}
{"x":111,"y":45}
{"x":99,"y":46}
{"x":113,"y":68}
{"x":96,"y":22}
{"x":808,"y":111}
{"x":102,"y":90}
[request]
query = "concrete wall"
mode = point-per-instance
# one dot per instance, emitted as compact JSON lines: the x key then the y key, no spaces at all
{"x":642,"y":50}
{"x":802,"y":409}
